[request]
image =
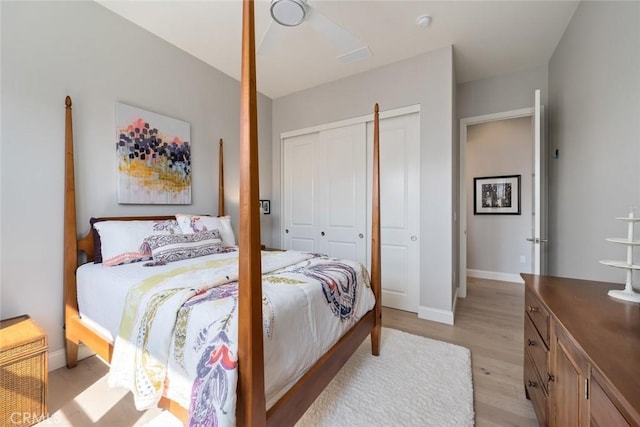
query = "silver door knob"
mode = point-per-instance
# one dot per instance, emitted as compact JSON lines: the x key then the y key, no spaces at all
{"x":414,"y":238}
{"x":361,"y":235}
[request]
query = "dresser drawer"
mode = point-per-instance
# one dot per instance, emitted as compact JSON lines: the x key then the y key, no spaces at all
{"x":534,"y":390}
{"x":538,"y":314}
{"x":537,"y":350}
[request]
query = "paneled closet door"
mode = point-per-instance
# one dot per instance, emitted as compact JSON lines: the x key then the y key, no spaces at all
{"x":325,"y":192}
{"x":399,"y":209}
{"x":301,"y":213}
{"x":342,"y":192}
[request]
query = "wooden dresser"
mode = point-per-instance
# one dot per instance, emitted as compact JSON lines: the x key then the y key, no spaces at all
{"x":582,"y":353}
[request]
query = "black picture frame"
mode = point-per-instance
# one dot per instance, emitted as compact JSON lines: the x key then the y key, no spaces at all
{"x":266,"y":206}
{"x":496,"y":195}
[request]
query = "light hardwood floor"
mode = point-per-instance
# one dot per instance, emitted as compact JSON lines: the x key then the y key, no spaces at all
{"x":489,"y":322}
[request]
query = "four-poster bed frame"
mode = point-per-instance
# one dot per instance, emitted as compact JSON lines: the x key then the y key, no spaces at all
{"x":251,"y":403}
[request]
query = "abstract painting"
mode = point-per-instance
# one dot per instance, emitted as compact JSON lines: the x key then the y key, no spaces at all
{"x":154,"y":158}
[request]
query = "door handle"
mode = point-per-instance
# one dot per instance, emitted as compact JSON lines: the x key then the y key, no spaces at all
{"x":414,"y":238}
{"x":322,"y":233}
{"x":286,"y":230}
{"x":536,"y":240}
{"x":361,"y":235}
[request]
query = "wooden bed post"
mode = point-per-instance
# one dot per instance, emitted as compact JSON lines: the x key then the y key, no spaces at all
{"x":70,"y":241}
{"x":220,"y":181}
{"x":251,"y":403}
{"x":375,"y":236}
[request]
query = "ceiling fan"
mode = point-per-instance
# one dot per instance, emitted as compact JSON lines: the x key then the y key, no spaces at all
{"x":291,"y":13}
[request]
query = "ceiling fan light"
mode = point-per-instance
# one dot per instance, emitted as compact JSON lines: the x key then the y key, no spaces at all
{"x":288,"y":12}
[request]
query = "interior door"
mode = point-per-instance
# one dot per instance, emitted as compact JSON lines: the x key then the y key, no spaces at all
{"x":342,"y":192}
{"x":301,"y":216}
{"x":539,"y":194}
{"x":399,"y":209}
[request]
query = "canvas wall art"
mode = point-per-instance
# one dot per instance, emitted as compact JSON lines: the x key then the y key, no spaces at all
{"x":154,"y":157}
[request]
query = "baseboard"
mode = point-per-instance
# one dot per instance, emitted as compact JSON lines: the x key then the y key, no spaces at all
{"x":58,"y":359}
{"x":495,"y":275}
{"x":435,"y":314}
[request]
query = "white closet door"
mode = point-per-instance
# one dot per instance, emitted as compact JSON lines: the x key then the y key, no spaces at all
{"x":301,"y":211}
{"x":399,"y":209}
{"x":342,"y":192}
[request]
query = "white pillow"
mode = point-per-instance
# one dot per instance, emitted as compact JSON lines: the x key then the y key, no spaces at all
{"x":197,"y":223}
{"x":121,"y":240}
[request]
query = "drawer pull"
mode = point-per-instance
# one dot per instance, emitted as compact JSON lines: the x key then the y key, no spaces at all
{"x":532,"y":309}
{"x":532,"y":384}
{"x":550,"y":378}
{"x":531,"y":342}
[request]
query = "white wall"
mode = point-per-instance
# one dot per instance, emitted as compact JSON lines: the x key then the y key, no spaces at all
{"x":594,"y":85}
{"x":426,"y":80}
{"x":51,"y":49}
{"x":496,"y":242}
{"x":506,"y":92}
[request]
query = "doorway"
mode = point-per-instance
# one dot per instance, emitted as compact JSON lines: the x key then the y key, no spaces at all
{"x":466,"y":193}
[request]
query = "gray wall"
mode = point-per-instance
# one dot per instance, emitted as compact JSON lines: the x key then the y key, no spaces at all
{"x":594,"y":85}
{"x":52,"y":49}
{"x":506,"y":92}
{"x":496,"y":242}
{"x":426,"y":80}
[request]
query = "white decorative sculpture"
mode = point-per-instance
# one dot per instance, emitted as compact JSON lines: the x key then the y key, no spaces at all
{"x":628,"y":293}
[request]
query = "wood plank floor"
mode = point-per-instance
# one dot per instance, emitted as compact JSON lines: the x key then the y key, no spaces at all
{"x":489,"y":322}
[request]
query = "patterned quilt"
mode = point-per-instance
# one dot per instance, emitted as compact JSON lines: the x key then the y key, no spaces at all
{"x":179,"y":329}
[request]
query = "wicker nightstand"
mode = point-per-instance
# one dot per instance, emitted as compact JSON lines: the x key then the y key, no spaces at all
{"x":23,"y":372}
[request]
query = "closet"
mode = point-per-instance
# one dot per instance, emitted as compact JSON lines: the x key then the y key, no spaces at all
{"x":326,"y":187}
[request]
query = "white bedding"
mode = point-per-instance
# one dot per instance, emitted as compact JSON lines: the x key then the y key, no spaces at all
{"x":102,"y":290}
{"x":301,"y":321}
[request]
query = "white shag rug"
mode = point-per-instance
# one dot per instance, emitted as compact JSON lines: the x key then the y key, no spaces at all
{"x":415,"y":381}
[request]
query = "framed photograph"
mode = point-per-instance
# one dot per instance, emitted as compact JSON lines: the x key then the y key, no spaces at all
{"x":496,"y":195}
{"x":153,"y":157}
{"x":266,"y":206}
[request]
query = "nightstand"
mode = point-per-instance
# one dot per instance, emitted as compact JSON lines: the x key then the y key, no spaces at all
{"x":23,"y":372}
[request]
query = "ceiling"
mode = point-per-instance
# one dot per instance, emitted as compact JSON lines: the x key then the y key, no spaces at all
{"x":489,"y":37}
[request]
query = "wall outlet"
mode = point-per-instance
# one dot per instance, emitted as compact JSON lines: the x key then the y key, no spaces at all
{"x":523,"y":259}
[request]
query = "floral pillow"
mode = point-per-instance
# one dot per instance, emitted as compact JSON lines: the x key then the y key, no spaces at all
{"x":198,"y":223}
{"x":170,"y":248}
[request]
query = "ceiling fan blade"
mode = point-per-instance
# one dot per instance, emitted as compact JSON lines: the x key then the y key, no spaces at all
{"x":270,"y":39}
{"x":338,"y":36}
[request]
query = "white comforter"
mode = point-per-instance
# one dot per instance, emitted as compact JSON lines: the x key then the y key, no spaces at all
{"x":178,"y":334}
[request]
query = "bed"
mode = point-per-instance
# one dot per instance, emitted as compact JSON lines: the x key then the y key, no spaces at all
{"x":280,"y":404}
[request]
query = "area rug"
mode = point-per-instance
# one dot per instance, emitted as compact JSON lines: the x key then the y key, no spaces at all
{"x":415,"y":381}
